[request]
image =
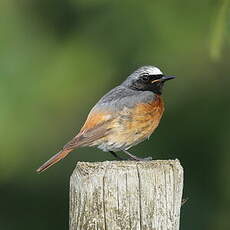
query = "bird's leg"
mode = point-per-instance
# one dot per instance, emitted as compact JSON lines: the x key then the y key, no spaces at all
{"x":135,"y":157}
{"x":116,"y":156}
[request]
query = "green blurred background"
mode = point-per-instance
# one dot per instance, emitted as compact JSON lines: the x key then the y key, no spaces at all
{"x":57,"y":58}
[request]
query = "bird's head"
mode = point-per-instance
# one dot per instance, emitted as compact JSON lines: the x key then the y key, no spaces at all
{"x":147,"y":78}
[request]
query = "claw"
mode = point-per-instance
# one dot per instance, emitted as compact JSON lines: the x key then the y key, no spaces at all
{"x":147,"y":159}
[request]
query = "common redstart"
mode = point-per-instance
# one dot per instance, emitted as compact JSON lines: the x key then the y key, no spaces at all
{"x":122,"y":118}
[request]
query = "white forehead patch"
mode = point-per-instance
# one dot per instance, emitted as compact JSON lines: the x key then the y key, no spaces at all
{"x":153,"y":71}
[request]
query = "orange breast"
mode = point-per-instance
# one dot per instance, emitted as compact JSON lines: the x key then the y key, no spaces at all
{"x":133,"y":125}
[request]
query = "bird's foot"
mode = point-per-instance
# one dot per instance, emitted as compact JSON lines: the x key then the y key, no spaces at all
{"x":141,"y":159}
{"x":147,"y":159}
{"x":133,"y":157}
{"x":184,"y":201}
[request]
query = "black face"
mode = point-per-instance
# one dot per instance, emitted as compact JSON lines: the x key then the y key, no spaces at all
{"x":147,"y":82}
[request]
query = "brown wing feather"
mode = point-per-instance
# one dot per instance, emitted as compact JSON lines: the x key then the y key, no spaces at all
{"x":95,"y":127}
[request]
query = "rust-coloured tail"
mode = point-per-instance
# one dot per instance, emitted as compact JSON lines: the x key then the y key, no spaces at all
{"x":53,"y":160}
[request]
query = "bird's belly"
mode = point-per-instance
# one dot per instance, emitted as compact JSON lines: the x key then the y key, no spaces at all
{"x":132,"y":126}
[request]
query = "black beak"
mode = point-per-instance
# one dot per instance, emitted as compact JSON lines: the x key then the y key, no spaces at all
{"x":166,"y":78}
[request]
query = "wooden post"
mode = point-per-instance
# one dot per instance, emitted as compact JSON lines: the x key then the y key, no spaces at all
{"x":126,"y":195}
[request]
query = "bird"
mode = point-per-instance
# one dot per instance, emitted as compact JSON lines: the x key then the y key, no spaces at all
{"x":125,"y":116}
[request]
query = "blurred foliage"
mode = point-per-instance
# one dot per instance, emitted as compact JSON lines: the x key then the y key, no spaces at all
{"x":219,"y":30}
{"x":57,"y":58}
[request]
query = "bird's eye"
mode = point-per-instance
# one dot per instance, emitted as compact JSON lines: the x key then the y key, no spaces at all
{"x":145,"y":77}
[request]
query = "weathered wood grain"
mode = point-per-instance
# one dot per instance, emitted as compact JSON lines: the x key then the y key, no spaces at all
{"x":126,"y":195}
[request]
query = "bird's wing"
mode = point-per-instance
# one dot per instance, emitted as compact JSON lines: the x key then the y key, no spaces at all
{"x":95,"y":127}
{"x":100,"y":118}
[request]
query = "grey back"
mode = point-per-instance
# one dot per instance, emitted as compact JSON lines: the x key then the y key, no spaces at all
{"x":120,"y":97}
